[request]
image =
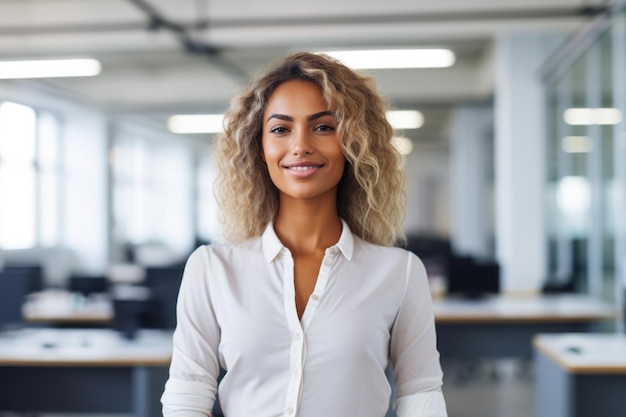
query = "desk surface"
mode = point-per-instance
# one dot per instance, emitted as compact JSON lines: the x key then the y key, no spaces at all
{"x":591,"y":353}
{"x":503,"y":309}
{"x":55,"y":306}
{"x":84,"y":347}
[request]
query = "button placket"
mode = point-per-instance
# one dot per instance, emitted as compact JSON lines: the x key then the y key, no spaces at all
{"x":298,"y":342}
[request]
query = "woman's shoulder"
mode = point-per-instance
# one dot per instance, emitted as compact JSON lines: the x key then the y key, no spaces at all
{"x":372,"y":250}
{"x":228,"y":250}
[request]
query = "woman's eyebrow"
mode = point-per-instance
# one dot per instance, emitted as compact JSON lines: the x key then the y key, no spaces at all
{"x":280,"y":116}
{"x":290,"y":119}
{"x":318,"y":115}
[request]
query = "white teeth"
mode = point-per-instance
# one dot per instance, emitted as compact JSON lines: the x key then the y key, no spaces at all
{"x":302,"y":168}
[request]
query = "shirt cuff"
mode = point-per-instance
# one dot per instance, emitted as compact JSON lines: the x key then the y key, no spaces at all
{"x":421,"y":404}
{"x":188,"y":398}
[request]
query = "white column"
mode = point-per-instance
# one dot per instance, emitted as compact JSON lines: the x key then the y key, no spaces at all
{"x":472,"y":127}
{"x":519,"y":112}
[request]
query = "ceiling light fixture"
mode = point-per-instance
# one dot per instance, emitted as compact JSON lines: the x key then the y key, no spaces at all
{"x":586,"y":116}
{"x":405,"y":119}
{"x":576,"y":144}
{"x":196,"y":123}
{"x":395,"y":58}
{"x":213,"y":123}
{"x":402,"y":144}
{"x":49,"y":68}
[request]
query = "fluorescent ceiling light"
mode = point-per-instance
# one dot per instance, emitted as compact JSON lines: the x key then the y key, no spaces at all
{"x":402,"y":144}
{"x":576,"y":144}
{"x":395,"y":58}
{"x":213,"y":123}
{"x":586,"y":116}
{"x":49,"y":68}
{"x":405,"y":119}
{"x":196,"y":123}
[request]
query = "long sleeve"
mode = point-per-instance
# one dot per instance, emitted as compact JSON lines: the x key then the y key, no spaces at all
{"x":192,"y":385}
{"x":414,"y":355}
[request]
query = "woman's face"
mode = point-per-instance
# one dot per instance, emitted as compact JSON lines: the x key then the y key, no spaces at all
{"x":300,"y":144}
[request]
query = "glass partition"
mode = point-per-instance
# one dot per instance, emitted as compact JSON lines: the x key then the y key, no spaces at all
{"x":586,"y":168}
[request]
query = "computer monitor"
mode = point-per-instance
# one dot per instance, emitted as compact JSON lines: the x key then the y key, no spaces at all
{"x":471,"y":278}
{"x":88,"y":284}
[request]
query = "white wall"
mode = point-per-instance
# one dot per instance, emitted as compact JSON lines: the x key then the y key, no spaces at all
{"x":427,"y":188}
{"x":470,"y":205}
{"x":520,"y":158}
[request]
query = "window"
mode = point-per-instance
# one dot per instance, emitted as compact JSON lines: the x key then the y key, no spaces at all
{"x":152,"y":193}
{"x":28,"y":177}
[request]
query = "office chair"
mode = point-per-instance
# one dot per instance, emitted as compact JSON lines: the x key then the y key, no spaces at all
{"x":163,"y":283}
{"x":14,"y":287}
{"x":32,"y":273}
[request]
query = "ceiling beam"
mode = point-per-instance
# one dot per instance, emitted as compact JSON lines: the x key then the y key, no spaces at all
{"x":157,"y":21}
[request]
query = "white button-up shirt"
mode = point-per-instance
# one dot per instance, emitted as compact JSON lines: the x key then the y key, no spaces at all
{"x":236,"y":310}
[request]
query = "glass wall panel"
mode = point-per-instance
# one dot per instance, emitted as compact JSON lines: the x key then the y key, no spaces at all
{"x":573,"y":189}
{"x":607,"y":181}
{"x":618,"y":194}
{"x":586,"y":166}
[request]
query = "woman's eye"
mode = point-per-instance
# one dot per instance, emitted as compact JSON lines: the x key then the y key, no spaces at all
{"x":324,"y":128}
{"x":278,"y":129}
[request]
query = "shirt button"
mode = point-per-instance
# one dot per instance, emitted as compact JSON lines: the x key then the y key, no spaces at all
{"x":297,"y":335}
{"x":315,"y":297}
{"x":290,"y":410}
{"x":333,"y":250}
{"x":328,"y":262}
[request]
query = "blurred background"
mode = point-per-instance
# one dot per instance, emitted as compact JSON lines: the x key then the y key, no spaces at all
{"x":514,"y":146}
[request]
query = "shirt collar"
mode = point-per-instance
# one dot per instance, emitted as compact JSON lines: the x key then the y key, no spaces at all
{"x":272,"y":245}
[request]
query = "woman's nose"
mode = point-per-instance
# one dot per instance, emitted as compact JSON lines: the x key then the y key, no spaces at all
{"x":301,"y":143}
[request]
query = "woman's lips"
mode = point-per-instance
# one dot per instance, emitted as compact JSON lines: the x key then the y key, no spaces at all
{"x":302,"y":170}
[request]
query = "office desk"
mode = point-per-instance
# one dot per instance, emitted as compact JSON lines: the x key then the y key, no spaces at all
{"x":83,"y":371}
{"x":580,"y":375}
{"x":500,"y":327}
{"x":65,"y":308}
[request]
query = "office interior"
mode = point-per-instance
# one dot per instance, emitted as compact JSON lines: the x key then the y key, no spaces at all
{"x":516,"y":168}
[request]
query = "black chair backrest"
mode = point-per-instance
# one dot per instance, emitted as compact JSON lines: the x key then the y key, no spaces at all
{"x":14,"y":286}
{"x":31,"y":272}
{"x":163,"y":283}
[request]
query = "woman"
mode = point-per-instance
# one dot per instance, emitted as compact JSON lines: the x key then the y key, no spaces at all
{"x":309,"y":306}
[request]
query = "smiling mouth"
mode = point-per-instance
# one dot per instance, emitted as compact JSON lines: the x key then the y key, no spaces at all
{"x":302,"y":171}
{"x":303,"y":167}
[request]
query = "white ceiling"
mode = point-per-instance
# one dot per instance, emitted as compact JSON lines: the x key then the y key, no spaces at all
{"x":147,"y":71}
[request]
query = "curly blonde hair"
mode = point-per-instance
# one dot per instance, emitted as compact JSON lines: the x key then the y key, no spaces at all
{"x":370,"y":196}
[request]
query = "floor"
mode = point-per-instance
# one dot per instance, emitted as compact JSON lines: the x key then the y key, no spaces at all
{"x":487,"y":389}
{"x":490,"y":389}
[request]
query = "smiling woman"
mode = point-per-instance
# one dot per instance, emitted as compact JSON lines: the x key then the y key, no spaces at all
{"x":310,"y":290}
{"x":300,"y":144}
{"x":370,"y":196}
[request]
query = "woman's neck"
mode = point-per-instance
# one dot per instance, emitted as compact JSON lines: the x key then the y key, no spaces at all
{"x":306,"y":228}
